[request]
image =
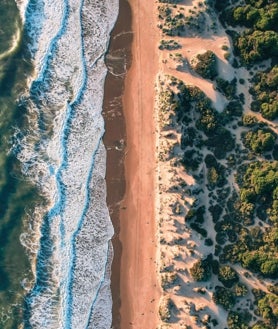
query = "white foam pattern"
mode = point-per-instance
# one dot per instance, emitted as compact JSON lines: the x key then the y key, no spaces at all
{"x":61,"y":151}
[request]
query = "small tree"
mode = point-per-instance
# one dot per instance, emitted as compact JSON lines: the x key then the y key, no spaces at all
{"x":206,"y":65}
{"x":201,"y":270}
{"x":238,"y":320}
{"x":224,"y":297}
{"x":228,"y":276}
{"x":240,"y":290}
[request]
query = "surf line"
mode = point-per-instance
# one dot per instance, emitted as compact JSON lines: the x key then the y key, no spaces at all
{"x":45,"y":248}
{"x":57,"y":209}
{"x":80,"y":223}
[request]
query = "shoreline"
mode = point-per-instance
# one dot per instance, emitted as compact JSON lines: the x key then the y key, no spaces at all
{"x":118,"y":59}
{"x":131,"y":163}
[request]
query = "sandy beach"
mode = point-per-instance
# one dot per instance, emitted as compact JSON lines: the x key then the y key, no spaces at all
{"x":118,"y":61}
{"x":130,"y":143}
{"x":139,"y":287}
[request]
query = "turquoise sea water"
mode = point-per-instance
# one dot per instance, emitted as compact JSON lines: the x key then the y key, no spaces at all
{"x":17,"y":195}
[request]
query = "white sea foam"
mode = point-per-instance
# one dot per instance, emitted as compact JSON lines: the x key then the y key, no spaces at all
{"x":62,"y":152}
{"x":22,"y":4}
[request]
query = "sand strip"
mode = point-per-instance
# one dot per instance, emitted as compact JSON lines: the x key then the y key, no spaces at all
{"x":135,"y":289}
{"x":118,"y":61}
{"x":139,"y":288}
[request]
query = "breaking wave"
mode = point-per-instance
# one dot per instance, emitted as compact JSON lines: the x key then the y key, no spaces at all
{"x":61,"y":151}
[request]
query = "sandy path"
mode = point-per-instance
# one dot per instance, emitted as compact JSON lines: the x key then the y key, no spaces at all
{"x":139,"y":288}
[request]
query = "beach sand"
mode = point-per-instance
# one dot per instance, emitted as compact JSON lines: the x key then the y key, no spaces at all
{"x":118,"y":60}
{"x":139,"y":287}
{"x":130,"y":143}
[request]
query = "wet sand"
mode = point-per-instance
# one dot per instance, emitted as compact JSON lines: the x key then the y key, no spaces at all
{"x":118,"y":60}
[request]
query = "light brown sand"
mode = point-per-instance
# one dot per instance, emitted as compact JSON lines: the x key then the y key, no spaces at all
{"x":139,"y":287}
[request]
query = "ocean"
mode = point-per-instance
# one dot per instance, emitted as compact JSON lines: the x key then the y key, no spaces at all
{"x":55,"y":227}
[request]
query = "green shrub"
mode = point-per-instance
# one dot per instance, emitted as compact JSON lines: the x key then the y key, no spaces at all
{"x":238,"y":320}
{"x":196,"y":227}
{"x":216,"y":211}
{"x":259,"y":141}
{"x":249,"y":120}
{"x":165,"y":309}
{"x":224,"y":297}
{"x":264,"y":91}
{"x":201,"y":270}
{"x":240,"y":289}
{"x":227,"y":88}
{"x":261,"y":325}
{"x":268,"y":307}
{"x":257,"y":46}
{"x":169,"y":45}
{"x":227,"y":276}
{"x":206,"y":65}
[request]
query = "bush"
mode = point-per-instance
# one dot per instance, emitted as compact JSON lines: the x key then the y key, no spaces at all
{"x":240,"y":290}
{"x":216,"y":212}
{"x":199,"y":229}
{"x":191,"y":160}
{"x":210,"y":161}
{"x":261,"y":15}
{"x":249,"y":120}
{"x":238,"y":320}
{"x":262,"y":262}
{"x":206,"y":65}
{"x":273,"y":289}
{"x":227,"y":276}
{"x":221,"y":142}
{"x":208,"y":121}
{"x":268,"y":307}
{"x":224,"y":297}
{"x":232,"y":110}
{"x":227,"y":88}
{"x":209,"y":242}
{"x":257,"y":46}
{"x":216,"y":176}
{"x":264,"y":92}
{"x":164,"y":309}
{"x":169,"y":45}
{"x":270,"y":268}
{"x":258,"y":182}
{"x":259,"y":141}
{"x":201,"y":270}
{"x":261,"y":325}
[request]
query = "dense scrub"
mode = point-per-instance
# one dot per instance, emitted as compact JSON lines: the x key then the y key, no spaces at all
{"x":245,"y":221}
{"x":256,"y":43}
{"x":265,"y":93}
{"x":260,"y":39}
{"x":238,"y":175}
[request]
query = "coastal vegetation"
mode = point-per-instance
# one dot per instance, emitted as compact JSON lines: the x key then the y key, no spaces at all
{"x":169,"y":45}
{"x":201,"y":270}
{"x":206,"y":65}
{"x":265,"y":94}
{"x":258,"y":42}
{"x":231,"y":151}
